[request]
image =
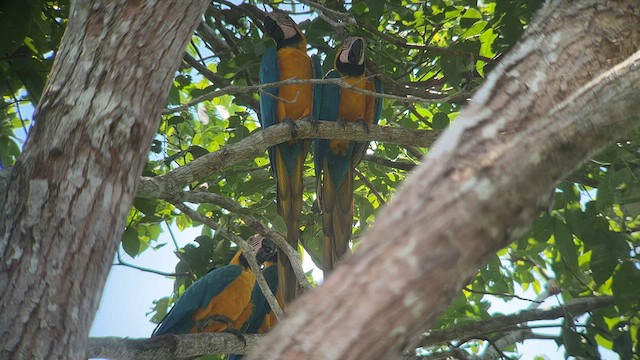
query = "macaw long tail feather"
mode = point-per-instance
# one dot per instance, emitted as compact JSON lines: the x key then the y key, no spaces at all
{"x":289,"y":169}
{"x":337,"y":217}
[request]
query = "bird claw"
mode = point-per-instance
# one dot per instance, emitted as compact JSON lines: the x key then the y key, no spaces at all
{"x":315,"y":123}
{"x":365,"y":125}
{"x":293,"y":126}
{"x":343,"y":122}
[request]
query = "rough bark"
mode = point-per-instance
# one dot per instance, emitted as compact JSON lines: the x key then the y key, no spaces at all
{"x":537,"y":118}
{"x":170,"y":347}
{"x":71,"y":189}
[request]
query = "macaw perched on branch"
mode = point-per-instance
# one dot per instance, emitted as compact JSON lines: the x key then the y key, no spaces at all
{"x":288,"y":103}
{"x":335,"y":160}
{"x":215,"y":302}
{"x":262,"y":317}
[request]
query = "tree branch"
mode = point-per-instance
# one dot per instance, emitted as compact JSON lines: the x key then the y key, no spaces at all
{"x":169,"y":347}
{"x":245,"y":215}
{"x":574,"y":306}
{"x":166,"y":186}
{"x":244,"y":89}
{"x":191,"y":345}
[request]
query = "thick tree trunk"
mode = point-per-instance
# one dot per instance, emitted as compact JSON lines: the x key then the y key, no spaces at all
{"x":483,"y":183}
{"x":71,"y":189}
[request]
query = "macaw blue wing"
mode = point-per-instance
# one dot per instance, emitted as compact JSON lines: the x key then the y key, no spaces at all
{"x":317,"y":88}
{"x":269,"y":73}
{"x":180,"y":320}
{"x":328,"y":111}
{"x":261,"y":306}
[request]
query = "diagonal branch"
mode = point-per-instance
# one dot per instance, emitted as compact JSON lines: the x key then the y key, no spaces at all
{"x":244,"y":214}
{"x":242,"y":244}
{"x":166,"y":186}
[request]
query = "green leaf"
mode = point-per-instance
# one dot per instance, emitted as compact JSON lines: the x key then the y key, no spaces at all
{"x":376,"y":8}
{"x":452,"y":70}
{"x":566,"y":246}
{"x":130,"y":242}
{"x":623,"y":345}
{"x":440,"y":121}
{"x":625,"y":288}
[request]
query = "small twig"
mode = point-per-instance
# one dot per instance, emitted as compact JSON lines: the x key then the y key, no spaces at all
{"x":370,"y":185}
{"x":500,"y":294}
{"x":406,"y":166}
{"x":153,"y":271}
{"x":237,"y":89}
{"x":173,"y":237}
{"x":335,"y":14}
{"x":178,"y":254}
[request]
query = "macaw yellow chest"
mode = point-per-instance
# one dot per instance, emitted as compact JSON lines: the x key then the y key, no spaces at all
{"x":353,"y":104}
{"x":294,"y":100}
{"x":224,"y":310}
{"x":352,"y":108}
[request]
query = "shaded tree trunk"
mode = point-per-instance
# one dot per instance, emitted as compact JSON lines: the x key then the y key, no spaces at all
{"x":71,"y":189}
{"x":541,"y":113}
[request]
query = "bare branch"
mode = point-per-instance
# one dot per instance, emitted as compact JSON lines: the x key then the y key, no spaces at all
{"x":144,"y":269}
{"x":168,"y":185}
{"x":498,"y":323}
{"x":371,"y":187}
{"x":406,"y":166}
{"x":245,"y":215}
{"x":468,"y":289}
{"x":237,"y":89}
{"x":169,"y":347}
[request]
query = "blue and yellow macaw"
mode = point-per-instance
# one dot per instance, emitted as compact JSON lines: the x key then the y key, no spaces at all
{"x":287,"y":104}
{"x":335,"y":160}
{"x":262,"y":318}
{"x":217,"y":300}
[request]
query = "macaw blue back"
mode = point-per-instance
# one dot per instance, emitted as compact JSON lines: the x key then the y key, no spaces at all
{"x":180,"y":320}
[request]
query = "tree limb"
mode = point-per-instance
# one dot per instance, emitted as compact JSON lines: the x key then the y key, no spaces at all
{"x":495,"y":324}
{"x":169,"y":347}
{"x":166,"y":186}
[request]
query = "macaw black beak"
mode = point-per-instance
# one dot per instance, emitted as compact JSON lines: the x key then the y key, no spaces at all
{"x":272,"y":28}
{"x":267,"y":251}
{"x":356,"y":51}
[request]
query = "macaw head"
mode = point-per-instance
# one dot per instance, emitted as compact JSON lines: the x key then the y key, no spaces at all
{"x":263,"y":247}
{"x":350,"y":57}
{"x":266,"y":251}
{"x":284,"y":31}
